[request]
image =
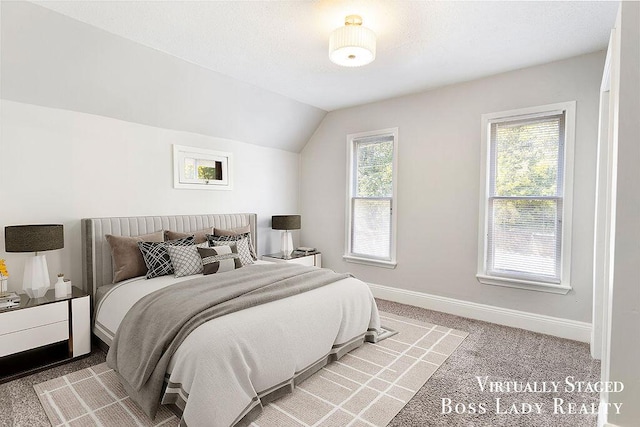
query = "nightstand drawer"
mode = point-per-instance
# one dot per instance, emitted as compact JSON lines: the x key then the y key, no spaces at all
{"x":44,"y":332}
{"x":33,"y":317}
{"x":34,"y":337}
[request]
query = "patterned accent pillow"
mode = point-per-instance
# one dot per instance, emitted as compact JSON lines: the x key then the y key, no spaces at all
{"x":186,"y":260}
{"x":242,"y":242}
{"x":235,"y":232}
{"x":156,"y":256}
{"x":219,"y":259}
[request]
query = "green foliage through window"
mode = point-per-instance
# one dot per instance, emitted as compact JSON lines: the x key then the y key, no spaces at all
{"x":374,"y":169}
{"x":527,"y":158}
{"x":526,"y":199}
{"x":206,"y":172}
{"x":372,"y":197}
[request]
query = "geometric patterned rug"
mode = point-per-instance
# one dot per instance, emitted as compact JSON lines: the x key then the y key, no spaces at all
{"x":366,"y":387}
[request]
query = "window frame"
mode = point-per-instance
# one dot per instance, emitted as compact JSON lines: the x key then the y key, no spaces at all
{"x":567,"y":157}
{"x":349,"y":256}
{"x":180,"y":152}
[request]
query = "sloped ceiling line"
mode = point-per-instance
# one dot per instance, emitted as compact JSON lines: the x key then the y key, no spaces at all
{"x":52,"y":60}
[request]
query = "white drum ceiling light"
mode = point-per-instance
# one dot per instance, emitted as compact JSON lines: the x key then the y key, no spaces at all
{"x":352,"y":45}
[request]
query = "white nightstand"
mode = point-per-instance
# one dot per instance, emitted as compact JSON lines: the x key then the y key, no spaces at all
{"x":311,"y":259}
{"x":43,"y":332}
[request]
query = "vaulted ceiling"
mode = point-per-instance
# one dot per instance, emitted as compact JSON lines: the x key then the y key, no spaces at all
{"x":259,"y":71}
{"x":282,"y":46}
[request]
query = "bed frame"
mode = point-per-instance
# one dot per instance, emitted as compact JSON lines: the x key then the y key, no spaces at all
{"x":97,"y":269}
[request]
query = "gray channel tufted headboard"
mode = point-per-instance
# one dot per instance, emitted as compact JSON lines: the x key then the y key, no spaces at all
{"x":97,"y":269}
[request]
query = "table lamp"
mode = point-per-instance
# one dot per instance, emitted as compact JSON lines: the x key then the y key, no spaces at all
{"x":34,"y":238}
{"x":286,"y":223}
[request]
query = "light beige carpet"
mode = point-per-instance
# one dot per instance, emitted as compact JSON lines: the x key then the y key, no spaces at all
{"x":367,"y":387}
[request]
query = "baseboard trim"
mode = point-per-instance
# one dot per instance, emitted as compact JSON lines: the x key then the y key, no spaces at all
{"x":563,"y":328}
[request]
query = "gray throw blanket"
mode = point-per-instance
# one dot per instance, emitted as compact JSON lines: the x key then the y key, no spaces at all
{"x":156,"y":325}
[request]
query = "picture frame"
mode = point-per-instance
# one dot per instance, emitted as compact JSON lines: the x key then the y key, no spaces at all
{"x":202,"y":169}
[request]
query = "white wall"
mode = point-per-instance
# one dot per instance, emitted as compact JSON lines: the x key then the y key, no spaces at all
{"x":438,"y":188}
{"x":624,"y":351}
{"x":59,"y":166}
{"x":55,"y":61}
{"x":88,"y":119}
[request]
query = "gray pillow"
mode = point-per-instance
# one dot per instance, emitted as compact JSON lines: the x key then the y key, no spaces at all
{"x":244,"y":230}
{"x":242,"y":242}
{"x":186,"y":260}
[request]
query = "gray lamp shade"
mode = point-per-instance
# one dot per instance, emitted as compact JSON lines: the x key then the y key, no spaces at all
{"x":285,"y":222}
{"x":33,"y":238}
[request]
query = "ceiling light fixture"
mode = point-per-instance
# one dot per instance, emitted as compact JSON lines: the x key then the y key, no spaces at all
{"x":352,"y":45}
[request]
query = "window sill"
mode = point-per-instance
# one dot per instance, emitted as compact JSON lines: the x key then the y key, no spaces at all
{"x":523,"y":284}
{"x":191,"y":186}
{"x":368,"y":261}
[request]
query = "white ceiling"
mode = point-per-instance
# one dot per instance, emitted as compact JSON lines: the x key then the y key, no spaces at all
{"x":282,"y":46}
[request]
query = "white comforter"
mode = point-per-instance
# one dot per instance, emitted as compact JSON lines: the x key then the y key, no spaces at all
{"x":222,"y":366}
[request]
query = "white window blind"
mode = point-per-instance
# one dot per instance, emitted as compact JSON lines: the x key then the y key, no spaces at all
{"x":525,"y":198}
{"x":371,"y":197}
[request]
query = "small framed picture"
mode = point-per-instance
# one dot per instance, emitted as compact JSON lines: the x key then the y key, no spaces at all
{"x":201,"y":169}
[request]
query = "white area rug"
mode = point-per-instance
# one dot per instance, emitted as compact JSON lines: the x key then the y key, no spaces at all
{"x":367,"y":387}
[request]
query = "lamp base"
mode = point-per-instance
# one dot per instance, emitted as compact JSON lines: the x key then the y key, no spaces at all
{"x":36,"y":277}
{"x":287,"y":244}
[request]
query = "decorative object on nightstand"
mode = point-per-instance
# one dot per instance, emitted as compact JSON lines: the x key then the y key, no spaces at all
{"x":305,"y":250}
{"x":9,"y":300}
{"x":286,"y":223}
{"x":4,"y":276}
{"x":34,"y":238}
{"x":60,"y":287}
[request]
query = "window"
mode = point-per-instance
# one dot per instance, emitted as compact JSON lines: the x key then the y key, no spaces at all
{"x":198,"y":168}
{"x":371,"y":203}
{"x":525,"y":203}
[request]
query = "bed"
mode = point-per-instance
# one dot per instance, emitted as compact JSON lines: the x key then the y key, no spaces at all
{"x":228,"y":367}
